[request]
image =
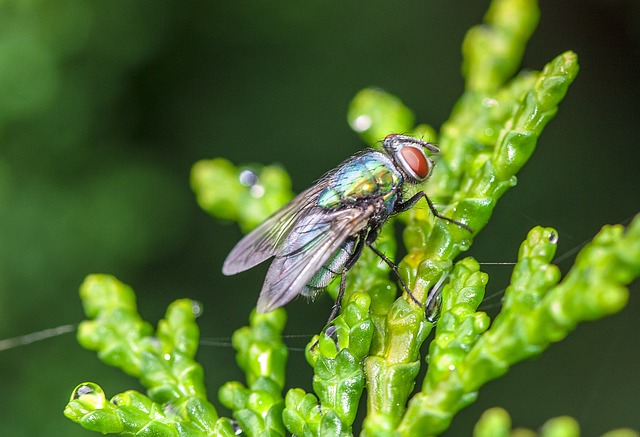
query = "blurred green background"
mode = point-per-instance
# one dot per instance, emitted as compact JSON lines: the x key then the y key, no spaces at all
{"x":104,"y":107}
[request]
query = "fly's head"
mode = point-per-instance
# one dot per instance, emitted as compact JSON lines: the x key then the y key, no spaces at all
{"x":410,"y":157}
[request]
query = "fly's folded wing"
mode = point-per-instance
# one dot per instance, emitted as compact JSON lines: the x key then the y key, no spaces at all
{"x":263,"y":242}
{"x":310,"y":243}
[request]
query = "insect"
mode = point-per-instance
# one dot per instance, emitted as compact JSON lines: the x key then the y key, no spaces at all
{"x":320,"y":234}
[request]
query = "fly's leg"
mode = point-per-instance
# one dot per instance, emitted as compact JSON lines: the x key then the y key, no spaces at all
{"x":434,"y":299}
{"x":371,"y":237}
{"x":394,"y":269}
{"x":337,"y":305}
{"x":357,"y":251}
{"x":403,"y":206}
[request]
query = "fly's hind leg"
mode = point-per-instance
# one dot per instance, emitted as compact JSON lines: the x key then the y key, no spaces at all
{"x":335,"y":310}
{"x":434,"y":299}
{"x":394,"y":269}
{"x":357,"y":251}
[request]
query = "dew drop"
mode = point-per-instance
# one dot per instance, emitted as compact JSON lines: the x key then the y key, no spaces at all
{"x":196,"y":308}
{"x":83,"y":390}
{"x":464,"y":245}
{"x":257,"y":190}
{"x":490,"y":103}
{"x":361,"y":123}
{"x":248,"y":178}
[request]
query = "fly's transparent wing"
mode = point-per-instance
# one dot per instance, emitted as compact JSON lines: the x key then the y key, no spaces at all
{"x":263,"y":241}
{"x":312,"y":241}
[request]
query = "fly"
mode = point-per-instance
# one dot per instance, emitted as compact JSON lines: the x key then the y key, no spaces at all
{"x":321,"y":233}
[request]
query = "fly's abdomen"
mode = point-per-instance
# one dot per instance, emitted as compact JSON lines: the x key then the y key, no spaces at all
{"x":367,"y":176}
{"x":329,"y":271}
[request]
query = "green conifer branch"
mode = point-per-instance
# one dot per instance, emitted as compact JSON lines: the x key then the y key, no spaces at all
{"x":251,"y":193}
{"x":176,"y":401}
{"x":496,"y":422}
{"x":483,"y":169}
{"x":338,"y":374}
{"x":262,"y":356}
{"x":375,"y":342}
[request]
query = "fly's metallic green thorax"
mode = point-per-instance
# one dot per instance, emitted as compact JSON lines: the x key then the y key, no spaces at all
{"x":321,"y":233}
{"x":370,"y":175}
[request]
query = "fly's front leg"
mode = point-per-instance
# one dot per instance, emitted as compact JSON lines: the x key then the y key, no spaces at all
{"x":407,"y":204}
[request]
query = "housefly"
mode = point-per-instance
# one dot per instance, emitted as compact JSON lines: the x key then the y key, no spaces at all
{"x":320,"y":234}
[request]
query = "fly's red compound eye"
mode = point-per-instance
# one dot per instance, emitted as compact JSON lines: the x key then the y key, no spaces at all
{"x":416,"y":161}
